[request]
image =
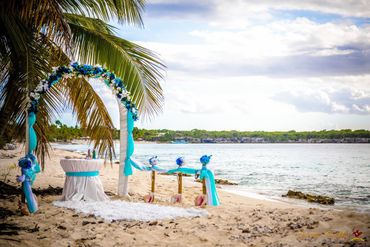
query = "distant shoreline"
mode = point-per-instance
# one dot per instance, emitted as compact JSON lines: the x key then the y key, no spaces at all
{"x":334,"y":141}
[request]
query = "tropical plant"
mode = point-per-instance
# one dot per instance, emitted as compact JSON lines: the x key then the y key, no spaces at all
{"x":36,"y":35}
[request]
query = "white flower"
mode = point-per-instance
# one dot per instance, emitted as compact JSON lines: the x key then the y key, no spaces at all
{"x":124,"y":94}
{"x":67,"y":75}
{"x":55,"y":69}
{"x":39,"y":88}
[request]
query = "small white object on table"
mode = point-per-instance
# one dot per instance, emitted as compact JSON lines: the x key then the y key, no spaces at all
{"x":82,"y":180}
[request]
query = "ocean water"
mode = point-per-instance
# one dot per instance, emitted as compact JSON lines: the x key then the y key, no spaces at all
{"x":341,"y":171}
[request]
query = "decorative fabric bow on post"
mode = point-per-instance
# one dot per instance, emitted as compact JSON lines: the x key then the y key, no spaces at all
{"x":29,"y":167}
{"x":209,"y":195}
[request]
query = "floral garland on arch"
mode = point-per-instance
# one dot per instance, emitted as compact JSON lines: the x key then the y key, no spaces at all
{"x":29,"y":164}
{"x":87,"y":71}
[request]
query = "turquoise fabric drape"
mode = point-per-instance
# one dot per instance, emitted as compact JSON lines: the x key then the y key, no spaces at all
{"x":32,"y":134}
{"x":30,"y":198}
{"x":29,"y":171}
{"x":207,"y":174}
{"x":130,"y":144}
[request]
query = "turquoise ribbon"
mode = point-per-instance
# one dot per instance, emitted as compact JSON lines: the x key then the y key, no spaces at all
{"x":30,"y":173}
{"x":211,"y":185}
{"x":83,"y":174}
{"x":30,"y":198}
{"x":138,"y":165}
{"x":157,"y":169}
{"x":185,"y":170}
{"x":141,"y":167}
{"x":32,"y":134}
{"x":130,"y":144}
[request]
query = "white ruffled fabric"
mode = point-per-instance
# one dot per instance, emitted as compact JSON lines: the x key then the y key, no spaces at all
{"x":82,"y":188}
{"x":122,"y":210}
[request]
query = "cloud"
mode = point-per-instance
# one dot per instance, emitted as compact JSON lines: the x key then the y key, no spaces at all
{"x":239,"y":13}
{"x":254,"y":64}
{"x":344,"y":101}
{"x":284,"y":48}
{"x":181,"y":9}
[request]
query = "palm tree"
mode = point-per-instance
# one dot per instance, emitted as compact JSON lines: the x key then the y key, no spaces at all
{"x":36,"y":35}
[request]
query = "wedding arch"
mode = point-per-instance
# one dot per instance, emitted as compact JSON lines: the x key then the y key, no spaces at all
{"x":128,"y":114}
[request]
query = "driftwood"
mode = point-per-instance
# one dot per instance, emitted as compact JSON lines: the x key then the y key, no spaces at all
{"x":310,"y":198}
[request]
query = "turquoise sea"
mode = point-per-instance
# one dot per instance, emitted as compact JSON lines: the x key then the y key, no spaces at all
{"x":341,"y":171}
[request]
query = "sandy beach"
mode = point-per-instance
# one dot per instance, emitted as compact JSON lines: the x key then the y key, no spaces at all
{"x":239,"y":221}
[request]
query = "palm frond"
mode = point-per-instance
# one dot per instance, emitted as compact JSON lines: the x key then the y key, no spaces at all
{"x":128,"y":11}
{"x":44,"y":16}
{"x":91,"y":23}
{"x":140,"y":69}
{"x":25,"y":70}
{"x":91,"y":113}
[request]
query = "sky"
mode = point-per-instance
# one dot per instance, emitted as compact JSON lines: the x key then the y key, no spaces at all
{"x":257,"y":64}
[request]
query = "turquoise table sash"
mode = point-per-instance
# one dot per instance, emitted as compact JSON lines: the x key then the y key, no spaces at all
{"x":83,"y":174}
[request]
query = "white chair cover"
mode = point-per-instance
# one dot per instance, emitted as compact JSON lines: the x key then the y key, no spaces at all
{"x":78,"y":188}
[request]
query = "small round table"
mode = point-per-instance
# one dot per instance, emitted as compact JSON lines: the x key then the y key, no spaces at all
{"x":82,"y":180}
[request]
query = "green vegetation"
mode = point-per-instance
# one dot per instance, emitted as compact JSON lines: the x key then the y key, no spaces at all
{"x":196,"y":135}
{"x":62,"y":132}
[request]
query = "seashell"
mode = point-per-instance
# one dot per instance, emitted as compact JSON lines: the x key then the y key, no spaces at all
{"x":176,"y":198}
{"x":201,"y":201}
{"x":149,"y":198}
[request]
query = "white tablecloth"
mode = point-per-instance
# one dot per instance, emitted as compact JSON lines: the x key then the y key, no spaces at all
{"x":78,"y":188}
